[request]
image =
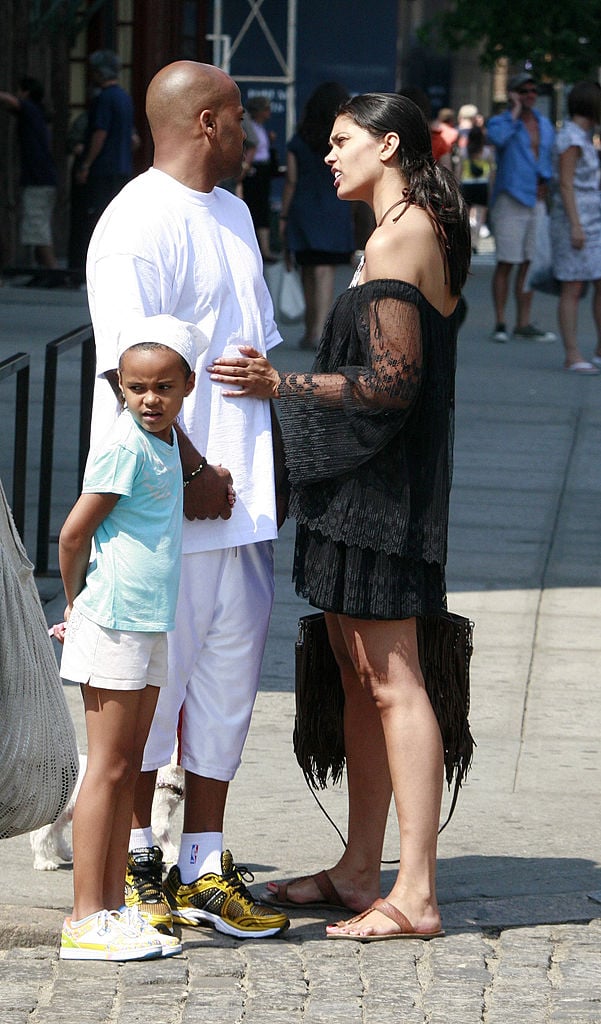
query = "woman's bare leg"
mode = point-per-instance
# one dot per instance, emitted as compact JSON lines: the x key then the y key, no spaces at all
{"x":386,"y":659}
{"x":318,"y":287}
{"x":325,"y":280}
{"x":309,"y":289}
{"x":356,"y":875}
{"x":567,"y":315}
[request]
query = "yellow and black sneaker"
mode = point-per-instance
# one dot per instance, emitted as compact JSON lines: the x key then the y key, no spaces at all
{"x":144,"y":887}
{"x":224,"y":902}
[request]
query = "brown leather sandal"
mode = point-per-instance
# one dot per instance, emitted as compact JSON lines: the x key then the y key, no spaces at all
{"x":406,"y":929}
{"x":330,"y":897}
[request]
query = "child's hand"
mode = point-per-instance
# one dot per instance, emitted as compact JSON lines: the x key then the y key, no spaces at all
{"x":58,"y":632}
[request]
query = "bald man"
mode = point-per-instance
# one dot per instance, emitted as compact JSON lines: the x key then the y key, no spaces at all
{"x":172,"y":242}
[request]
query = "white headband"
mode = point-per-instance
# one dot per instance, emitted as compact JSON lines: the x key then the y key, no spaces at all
{"x":186,"y":339}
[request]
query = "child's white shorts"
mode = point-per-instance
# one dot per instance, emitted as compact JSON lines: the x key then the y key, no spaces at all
{"x":112,"y":659}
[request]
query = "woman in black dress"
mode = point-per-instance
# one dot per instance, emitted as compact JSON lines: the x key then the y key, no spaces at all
{"x":368,"y":439}
{"x":315,"y":228}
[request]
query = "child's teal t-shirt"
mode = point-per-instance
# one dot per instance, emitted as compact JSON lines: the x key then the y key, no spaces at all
{"x":132,"y":582}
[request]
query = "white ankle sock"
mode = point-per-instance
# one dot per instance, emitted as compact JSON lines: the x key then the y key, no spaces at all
{"x":140,"y":838}
{"x":199,"y":854}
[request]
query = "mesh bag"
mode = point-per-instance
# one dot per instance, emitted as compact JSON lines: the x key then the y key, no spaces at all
{"x":38,"y":748}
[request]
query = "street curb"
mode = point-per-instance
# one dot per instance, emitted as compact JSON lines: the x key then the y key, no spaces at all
{"x":26,"y":927}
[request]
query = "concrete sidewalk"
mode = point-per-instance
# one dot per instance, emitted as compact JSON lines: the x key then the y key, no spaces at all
{"x":523,"y":852}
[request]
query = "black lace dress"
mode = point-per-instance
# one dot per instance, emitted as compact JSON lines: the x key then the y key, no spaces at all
{"x":369,"y":440}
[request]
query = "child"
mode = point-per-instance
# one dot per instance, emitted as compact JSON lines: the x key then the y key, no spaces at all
{"x":475,"y":181}
{"x":119,"y":608}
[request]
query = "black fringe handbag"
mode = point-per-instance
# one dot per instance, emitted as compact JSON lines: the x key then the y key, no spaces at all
{"x":318,"y":737}
{"x":445,"y":645}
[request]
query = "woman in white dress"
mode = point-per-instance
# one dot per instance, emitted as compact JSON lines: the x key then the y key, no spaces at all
{"x":576,"y":221}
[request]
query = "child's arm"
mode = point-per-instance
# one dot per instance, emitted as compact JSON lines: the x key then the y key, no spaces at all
{"x":75,"y":541}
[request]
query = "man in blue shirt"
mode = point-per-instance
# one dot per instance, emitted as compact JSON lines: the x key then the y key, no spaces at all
{"x":106,"y":165}
{"x":523,"y":139}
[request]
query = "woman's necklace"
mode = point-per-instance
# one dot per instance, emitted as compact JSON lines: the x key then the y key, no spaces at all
{"x":390,"y":208}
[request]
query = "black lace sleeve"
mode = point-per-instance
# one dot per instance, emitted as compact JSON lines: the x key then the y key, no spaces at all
{"x":365,"y":381}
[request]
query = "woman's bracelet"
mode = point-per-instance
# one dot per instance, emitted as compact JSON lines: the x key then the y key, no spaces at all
{"x":195,"y":472}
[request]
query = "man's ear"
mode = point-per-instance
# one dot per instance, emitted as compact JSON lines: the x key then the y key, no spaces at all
{"x":207,"y":121}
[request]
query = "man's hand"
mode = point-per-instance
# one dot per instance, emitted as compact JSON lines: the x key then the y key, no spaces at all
{"x":210,"y":495}
{"x":515,"y":104}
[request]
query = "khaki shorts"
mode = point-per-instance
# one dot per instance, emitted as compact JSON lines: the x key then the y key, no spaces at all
{"x":514,"y":228}
{"x":112,"y":659}
{"x":36,"y":219}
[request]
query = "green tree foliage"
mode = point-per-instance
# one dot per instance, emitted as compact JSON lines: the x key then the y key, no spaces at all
{"x":559,"y":39}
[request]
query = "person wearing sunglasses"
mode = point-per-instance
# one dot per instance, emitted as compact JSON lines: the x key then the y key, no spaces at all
{"x":523,"y":140}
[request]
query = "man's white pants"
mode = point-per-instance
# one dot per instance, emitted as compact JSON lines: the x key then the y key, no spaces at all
{"x":215,"y":656}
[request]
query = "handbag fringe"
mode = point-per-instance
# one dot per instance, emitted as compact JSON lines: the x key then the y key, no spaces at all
{"x":445,"y":646}
{"x":318,"y":737}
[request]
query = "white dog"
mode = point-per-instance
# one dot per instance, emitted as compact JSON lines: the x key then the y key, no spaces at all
{"x":51,"y":843}
{"x":168,"y":795}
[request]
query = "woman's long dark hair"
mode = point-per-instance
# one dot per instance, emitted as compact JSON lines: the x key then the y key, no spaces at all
{"x":430,"y":186}
{"x":319,"y":114}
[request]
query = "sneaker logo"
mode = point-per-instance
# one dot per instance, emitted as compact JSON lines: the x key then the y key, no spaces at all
{"x":194,"y":853}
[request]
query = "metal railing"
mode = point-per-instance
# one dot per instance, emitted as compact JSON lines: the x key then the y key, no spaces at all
{"x":19,"y":365}
{"x":83,"y":336}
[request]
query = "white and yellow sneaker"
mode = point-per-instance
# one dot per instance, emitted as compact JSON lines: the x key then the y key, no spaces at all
{"x":105,"y":936}
{"x":138,"y":922}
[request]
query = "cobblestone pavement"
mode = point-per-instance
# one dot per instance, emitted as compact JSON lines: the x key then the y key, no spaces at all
{"x":539,"y":975}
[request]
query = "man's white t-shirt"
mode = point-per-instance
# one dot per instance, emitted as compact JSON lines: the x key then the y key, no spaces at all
{"x":161,"y":247}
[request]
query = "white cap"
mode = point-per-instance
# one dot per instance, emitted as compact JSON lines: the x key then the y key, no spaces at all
{"x":186,"y":339}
